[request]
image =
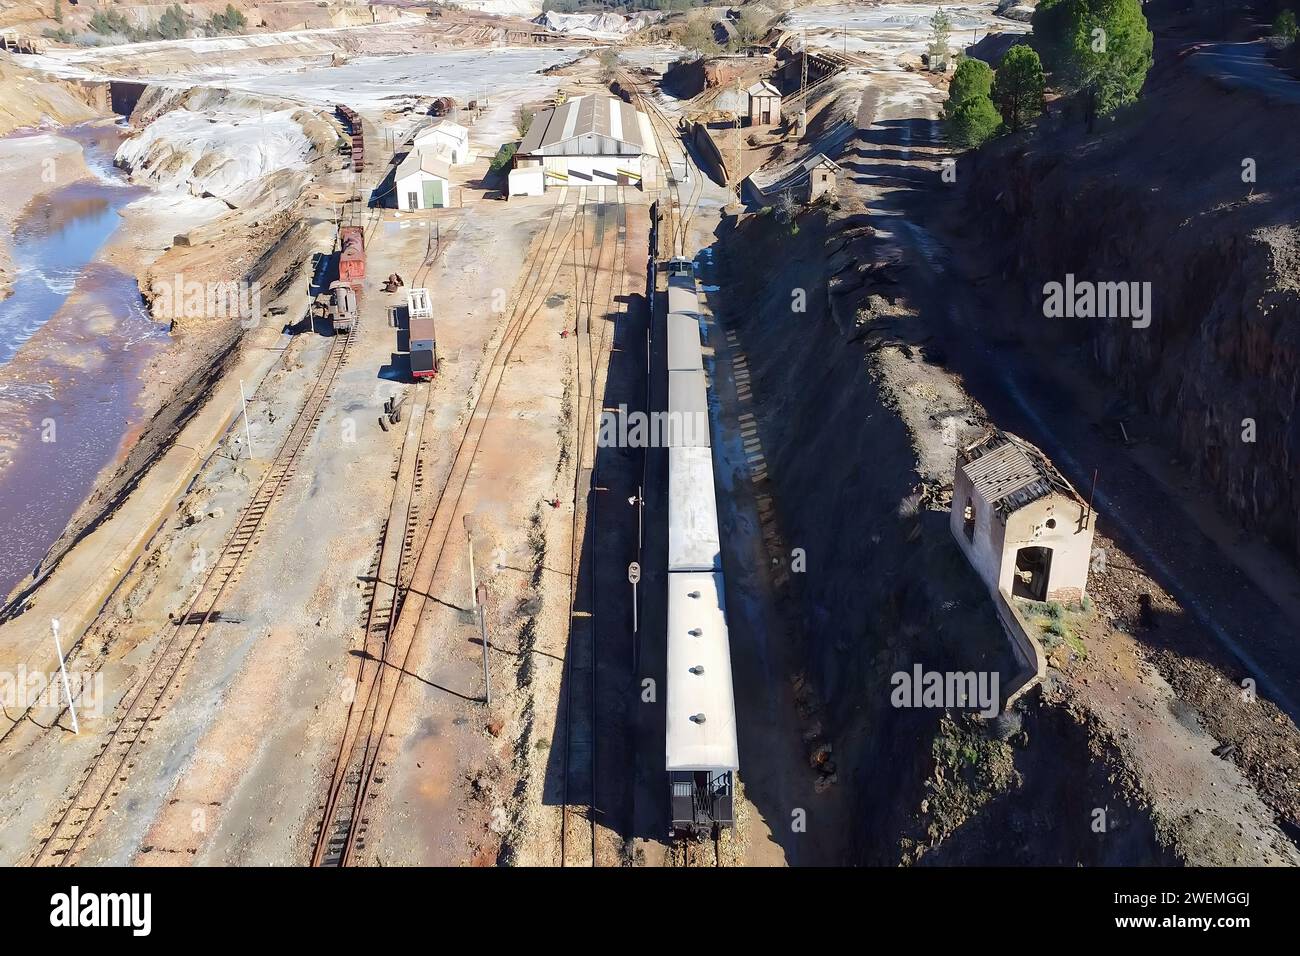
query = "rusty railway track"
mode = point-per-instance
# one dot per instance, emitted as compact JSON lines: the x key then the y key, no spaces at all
{"x":344,"y":819}
{"x":678,"y":215}
{"x":109,"y":771}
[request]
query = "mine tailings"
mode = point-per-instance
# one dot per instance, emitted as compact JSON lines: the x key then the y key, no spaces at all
{"x":74,"y":341}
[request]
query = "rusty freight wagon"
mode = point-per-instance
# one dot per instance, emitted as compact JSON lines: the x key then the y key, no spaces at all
{"x":353,"y":121}
{"x":352,"y":254}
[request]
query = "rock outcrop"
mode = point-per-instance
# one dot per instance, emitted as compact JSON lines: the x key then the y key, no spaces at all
{"x":1194,"y":191}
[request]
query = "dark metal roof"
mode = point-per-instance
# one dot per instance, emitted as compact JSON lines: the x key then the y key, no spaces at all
{"x":1010,"y":473}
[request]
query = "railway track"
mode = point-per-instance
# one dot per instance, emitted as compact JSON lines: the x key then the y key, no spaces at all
{"x":681,"y":207}
{"x":340,"y":835}
{"x":604,"y":268}
{"x":342,"y":823}
{"x":109,"y":771}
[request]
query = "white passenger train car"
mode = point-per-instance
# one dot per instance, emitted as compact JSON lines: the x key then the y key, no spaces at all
{"x":701,"y":752}
{"x":684,"y":352}
{"x":693,"y":543}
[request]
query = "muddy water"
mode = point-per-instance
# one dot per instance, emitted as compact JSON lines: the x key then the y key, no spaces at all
{"x":73,"y":342}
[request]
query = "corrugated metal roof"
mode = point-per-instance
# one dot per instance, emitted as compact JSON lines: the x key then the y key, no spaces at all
{"x":1009,"y":472}
{"x":587,"y":126}
{"x":701,"y":708}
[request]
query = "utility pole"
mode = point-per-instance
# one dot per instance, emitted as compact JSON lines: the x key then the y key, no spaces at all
{"x":739,"y":168}
{"x":634,"y":577}
{"x":639,"y":502}
{"x":482,"y":628}
{"x":248,"y":435}
{"x":72,"y":709}
{"x":469,"y":534}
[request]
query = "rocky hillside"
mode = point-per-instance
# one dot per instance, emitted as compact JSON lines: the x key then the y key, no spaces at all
{"x":1195,"y":192}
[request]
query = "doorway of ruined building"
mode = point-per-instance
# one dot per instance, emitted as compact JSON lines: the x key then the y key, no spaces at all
{"x":1033,"y":567}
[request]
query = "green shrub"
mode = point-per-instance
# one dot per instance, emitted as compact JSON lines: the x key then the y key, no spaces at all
{"x":504,"y":157}
{"x":974,"y":122}
{"x":1285,"y":26}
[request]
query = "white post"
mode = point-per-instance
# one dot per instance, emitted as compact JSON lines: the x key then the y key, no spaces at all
{"x":72,"y":709}
{"x":473,"y":589}
{"x":248,"y":435}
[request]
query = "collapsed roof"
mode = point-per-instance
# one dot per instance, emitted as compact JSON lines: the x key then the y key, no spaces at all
{"x":1010,"y":473}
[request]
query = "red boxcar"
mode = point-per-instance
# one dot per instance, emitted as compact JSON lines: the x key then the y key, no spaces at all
{"x":352,"y":254}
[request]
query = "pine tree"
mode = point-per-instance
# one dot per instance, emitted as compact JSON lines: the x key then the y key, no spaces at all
{"x":1018,"y":86}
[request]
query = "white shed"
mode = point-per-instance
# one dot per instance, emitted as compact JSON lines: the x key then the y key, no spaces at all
{"x":446,"y":140}
{"x":422,"y":181}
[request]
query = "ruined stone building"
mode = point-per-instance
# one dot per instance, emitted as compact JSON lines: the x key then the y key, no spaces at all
{"x":1022,"y":526}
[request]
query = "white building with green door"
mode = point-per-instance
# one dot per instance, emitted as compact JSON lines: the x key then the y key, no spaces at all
{"x":422,"y":181}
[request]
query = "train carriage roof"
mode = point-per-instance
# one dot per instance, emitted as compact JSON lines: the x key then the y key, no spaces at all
{"x":693,"y":542}
{"x":701,"y":709}
{"x":688,"y":407}
{"x":684,"y":354}
{"x":684,"y":301}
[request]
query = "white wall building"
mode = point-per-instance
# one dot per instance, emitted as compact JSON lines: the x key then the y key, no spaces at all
{"x":422,"y":181}
{"x":1020,"y":523}
{"x":590,"y":141}
{"x":447,"y":140}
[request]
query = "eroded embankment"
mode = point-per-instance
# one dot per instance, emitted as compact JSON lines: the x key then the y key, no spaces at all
{"x":857,"y":430}
{"x":258,"y":158}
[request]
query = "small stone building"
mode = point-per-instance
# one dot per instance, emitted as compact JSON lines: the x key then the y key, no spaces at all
{"x":822,"y":172}
{"x":764,"y":104}
{"x":1022,"y":526}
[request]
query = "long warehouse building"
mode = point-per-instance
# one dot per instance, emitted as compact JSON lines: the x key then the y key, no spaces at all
{"x":589,"y":141}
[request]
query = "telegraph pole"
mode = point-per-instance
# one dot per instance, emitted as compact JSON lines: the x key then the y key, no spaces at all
{"x":469,"y":534}
{"x":72,"y":709}
{"x":803,"y":90}
{"x":482,"y":628}
{"x":739,"y":168}
{"x":248,"y":436}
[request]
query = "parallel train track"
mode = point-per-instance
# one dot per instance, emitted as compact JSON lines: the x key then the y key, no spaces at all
{"x":682,"y":209}
{"x":578,"y":843}
{"x":110,"y":769}
{"x":343,"y":823}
